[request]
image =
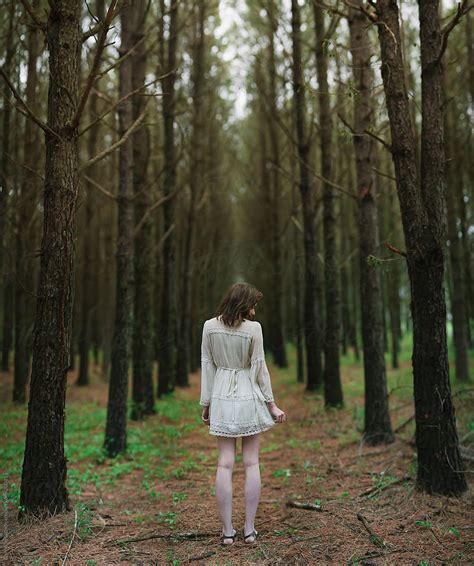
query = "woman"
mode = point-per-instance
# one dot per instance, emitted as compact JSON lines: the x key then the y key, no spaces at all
{"x":237,"y":397}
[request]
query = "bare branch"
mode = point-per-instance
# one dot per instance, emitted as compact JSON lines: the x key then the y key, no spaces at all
{"x":154,"y":206}
{"x":114,"y":105}
{"x":462,"y":9}
{"x":99,"y":187}
{"x":33,"y":15}
{"x":116,"y":145}
{"x":27,"y":111}
{"x":366,"y":132}
{"x":95,"y":64}
{"x":394,"y":249}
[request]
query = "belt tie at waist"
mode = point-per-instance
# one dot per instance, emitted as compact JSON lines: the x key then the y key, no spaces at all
{"x":232,"y":386}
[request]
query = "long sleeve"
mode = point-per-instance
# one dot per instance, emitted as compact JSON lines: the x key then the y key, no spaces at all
{"x":259,"y":365}
{"x":208,"y":369}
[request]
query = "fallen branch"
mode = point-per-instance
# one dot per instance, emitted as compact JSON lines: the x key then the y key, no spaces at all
{"x":308,"y":506}
{"x":185,"y":536}
{"x":381,"y":488}
{"x":374,"y":539}
{"x":201,"y":556}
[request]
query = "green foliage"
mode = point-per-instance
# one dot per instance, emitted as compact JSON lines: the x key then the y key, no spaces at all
{"x":84,"y":520}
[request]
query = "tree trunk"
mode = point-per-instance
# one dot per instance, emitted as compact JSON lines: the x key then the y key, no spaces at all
{"x":116,"y":428}
{"x":333,"y":396}
{"x":25,"y":234}
{"x":6,"y":267}
{"x":312,"y":326}
{"x":277,"y":334}
{"x":88,"y":244}
{"x":43,"y":484}
{"x":142,"y":389}
{"x":168,"y":330}
{"x":195,"y":185}
{"x":458,"y":293}
{"x":377,"y":427}
{"x":440,"y":467}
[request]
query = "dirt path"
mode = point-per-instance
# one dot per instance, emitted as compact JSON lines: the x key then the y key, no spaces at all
{"x":315,"y":457}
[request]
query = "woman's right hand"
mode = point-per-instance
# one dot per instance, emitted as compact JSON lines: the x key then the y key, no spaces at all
{"x":278,"y":415}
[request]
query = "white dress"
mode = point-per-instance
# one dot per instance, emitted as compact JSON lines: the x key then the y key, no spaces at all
{"x":235,"y":381}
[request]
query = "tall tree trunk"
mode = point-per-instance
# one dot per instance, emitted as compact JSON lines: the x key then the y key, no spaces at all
{"x":168,"y":331}
{"x":440,"y":467}
{"x":458,"y":293}
{"x":377,"y":427}
{"x":277,"y":334}
{"x":333,"y":396}
{"x":88,"y":245}
{"x":195,"y":185}
{"x":142,"y":390}
{"x":7,"y":287}
{"x":25,"y":235}
{"x":43,"y":483}
{"x":116,"y":428}
{"x":312,"y":325}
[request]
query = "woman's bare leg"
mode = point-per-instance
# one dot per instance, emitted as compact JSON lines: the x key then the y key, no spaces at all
{"x":225,"y":466}
{"x":250,"y":449}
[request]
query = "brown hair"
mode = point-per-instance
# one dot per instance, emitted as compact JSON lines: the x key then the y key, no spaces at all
{"x":238,"y":300}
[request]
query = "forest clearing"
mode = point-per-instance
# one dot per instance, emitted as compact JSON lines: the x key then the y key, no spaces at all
{"x":191,"y":189}
{"x":163,"y":487}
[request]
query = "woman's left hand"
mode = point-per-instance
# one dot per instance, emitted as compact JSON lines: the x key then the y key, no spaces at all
{"x":205,"y":415}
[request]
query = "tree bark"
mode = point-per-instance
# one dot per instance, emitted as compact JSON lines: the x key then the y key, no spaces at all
{"x":7,"y":288}
{"x":168,"y":324}
{"x":142,"y":388}
{"x":116,"y":428}
{"x":25,"y":235}
{"x":312,"y":325}
{"x":195,"y":185}
{"x":377,"y":427}
{"x":43,"y":484}
{"x":333,"y":396}
{"x":440,"y":467}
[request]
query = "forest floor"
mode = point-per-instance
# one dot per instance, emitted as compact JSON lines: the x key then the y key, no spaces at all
{"x":156,"y":504}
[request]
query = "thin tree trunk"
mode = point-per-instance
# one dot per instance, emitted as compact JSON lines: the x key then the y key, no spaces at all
{"x":168,"y":324}
{"x":195,"y":185}
{"x":6,"y":267}
{"x":458,"y":292}
{"x":377,"y":427}
{"x":43,"y":483}
{"x":277,"y":335}
{"x":27,"y":203}
{"x":142,"y":389}
{"x":312,"y":325}
{"x":88,"y":245}
{"x":116,"y":428}
{"x":333,"y":396}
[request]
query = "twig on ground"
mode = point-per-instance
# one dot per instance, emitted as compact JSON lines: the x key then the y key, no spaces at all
{"x":384,"y":487}
{"x":190,"y":536}
{"x":308,"y":506}
{"x":72,"y":538}
{"x":374,"y":539}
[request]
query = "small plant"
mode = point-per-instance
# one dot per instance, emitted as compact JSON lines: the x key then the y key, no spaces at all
{"x":423,"y":524}
{"x":84,"y":520}
{"x":179,"y":496}
{"x":169,"y":517}
{"x":282,"y":473}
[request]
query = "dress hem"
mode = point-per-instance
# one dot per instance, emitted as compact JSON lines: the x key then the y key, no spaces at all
{"x":249,"y":433}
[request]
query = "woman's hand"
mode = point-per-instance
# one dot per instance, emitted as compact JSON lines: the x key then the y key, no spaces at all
{"x":278,"y":415}
{"x":205,"y":415}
